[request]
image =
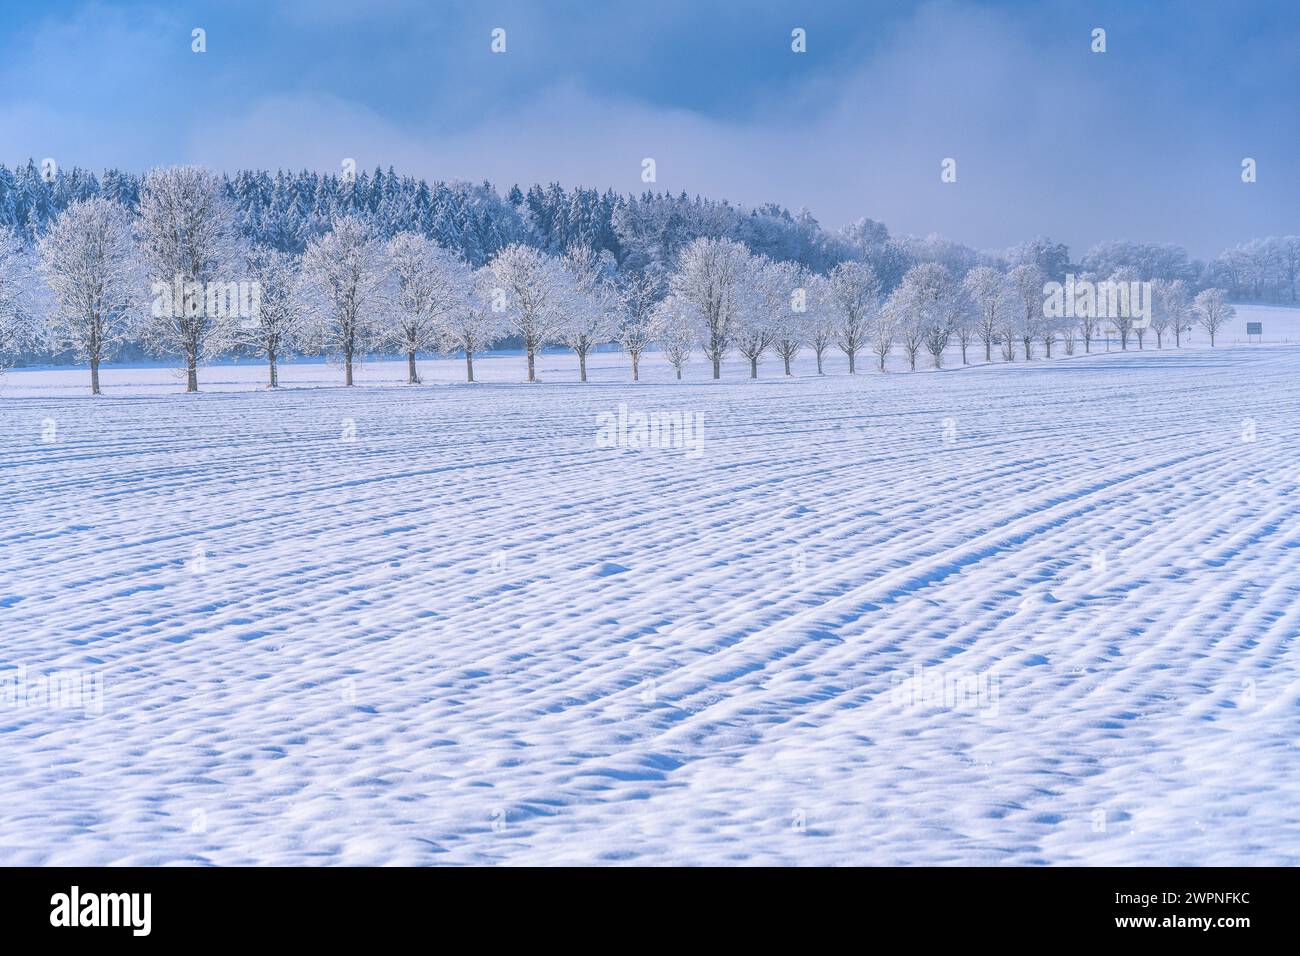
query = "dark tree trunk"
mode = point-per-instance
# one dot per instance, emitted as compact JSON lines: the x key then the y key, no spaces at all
{"x":679,"y":373}
{"x":636,"y":370}
{"x":819,"y":364}
{"x":94,"y":375}
{"x":469,"y":366}
{"x":753,"y":368}
{"x":532,"y":368}
{"x":347,"y":367}
{"x":853,"y":362}
{"x":787,"y":364}
{"x":191,"y":372}
{"x":582,"y":366}
{"x":275,"y":378}
{"x":411,"y":377}
{"x":717,"y":368}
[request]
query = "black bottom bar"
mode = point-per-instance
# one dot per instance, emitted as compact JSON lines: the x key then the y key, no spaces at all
{"x":342,"y":906}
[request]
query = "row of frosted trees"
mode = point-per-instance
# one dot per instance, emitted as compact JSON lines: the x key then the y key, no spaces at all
{"x":178,"y":278}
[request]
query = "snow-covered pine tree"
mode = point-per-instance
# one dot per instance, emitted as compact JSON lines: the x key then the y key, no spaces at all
{"x":17,"y":290}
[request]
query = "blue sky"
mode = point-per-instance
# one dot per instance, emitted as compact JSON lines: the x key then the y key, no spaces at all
{"x":1142,"y":142}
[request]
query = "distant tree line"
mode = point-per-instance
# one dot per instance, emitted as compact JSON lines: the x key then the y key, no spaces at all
{"x":352,"y":265}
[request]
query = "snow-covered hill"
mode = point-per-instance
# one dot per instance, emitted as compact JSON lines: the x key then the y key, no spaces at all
{"x":1011,"y":614}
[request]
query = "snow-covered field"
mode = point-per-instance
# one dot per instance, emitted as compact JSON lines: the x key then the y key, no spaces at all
{"x":440,"y":624}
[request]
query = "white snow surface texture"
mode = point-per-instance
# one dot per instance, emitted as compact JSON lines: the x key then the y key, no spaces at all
{"x":471,"y":635}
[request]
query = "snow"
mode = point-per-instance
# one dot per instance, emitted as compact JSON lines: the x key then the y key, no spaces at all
{"x":437,"y":624}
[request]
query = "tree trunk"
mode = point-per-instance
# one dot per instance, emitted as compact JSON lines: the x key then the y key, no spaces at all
{"x":532,"y":374}
{"x":469,"y":366}
{"x":1049,"y":348}
{"x":988,"y":350}
{"x":787,"y":364}
{"x":411,"y":377}
{"x":963,"y":356}
{"x":636,"y":371}
{"x":347,"y":367}
{"x":717,"y":368}
{"x":753,"y":367}
{"x":853,"y":363}
{"x":1211,"y":338}
{"x":582,"y":366}
{"x":275,"y":378}
{"x":819,"y":364}
{"x":191,"y":372}
{"x":94,"y":375}
{"x":679,"y":373}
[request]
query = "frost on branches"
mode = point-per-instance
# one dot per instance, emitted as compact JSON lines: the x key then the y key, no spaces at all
{"x":88,"y":260}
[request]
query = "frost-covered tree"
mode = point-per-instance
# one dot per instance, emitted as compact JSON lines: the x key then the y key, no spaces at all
{"x":820,"y":326}
{"x":1027,"y":283}
{"x":638,"y":296}
{"x":88,"y":260}
{"x":903,"y":314}
{"x":1123,"y":322}
{"x":939,"y":297}
{"x":17,"y":289}
{"x":677,"y":332}
{"x":428,"y":283}
{"x":344,"y":272}
{"x":709,"y":272}
{"x":854,"y":291}
{"x":1089,"y":323}
{"x":591,"y":310}
{"x":964,"y":328}
{"x":278,"y":324}
{"x":472,"y":325}
{"x":922,"y":310}
{"x":760,"y":310}
{"x":1171,"y":310}
{"x":786,"y":290}
{"x":186,"y":232}
{"x":1213,"y":311}
{"x":531,"y":288}
{"x":883,"y":332}
{"x":987,"y":290}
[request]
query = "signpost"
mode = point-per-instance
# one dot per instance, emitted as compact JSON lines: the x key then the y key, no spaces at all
{"x":1253,"y":329}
